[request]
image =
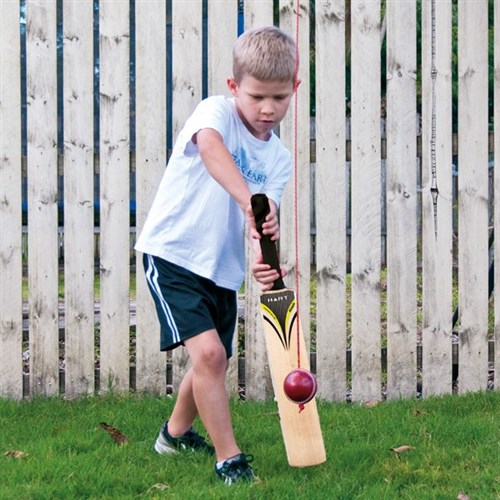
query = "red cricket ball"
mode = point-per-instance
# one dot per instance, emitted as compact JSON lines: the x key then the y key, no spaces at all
{"x":300,"y":386}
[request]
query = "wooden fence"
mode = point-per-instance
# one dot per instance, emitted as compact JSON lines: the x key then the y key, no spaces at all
{"x":374,"y":331}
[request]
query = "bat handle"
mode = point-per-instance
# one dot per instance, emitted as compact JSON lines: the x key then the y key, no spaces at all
{"x":260,"y":208}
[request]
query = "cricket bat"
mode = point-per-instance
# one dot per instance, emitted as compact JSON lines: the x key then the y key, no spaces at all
{"x":301,"y":429}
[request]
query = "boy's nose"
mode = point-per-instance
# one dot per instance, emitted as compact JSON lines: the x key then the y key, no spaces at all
{"x":267,"y":109}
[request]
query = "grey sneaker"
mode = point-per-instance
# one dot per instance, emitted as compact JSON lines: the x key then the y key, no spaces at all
{"x":190,"y":440}
{"x":236,"y":470}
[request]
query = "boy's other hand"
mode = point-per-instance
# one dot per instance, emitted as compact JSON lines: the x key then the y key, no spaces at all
{"x":271,"y":225}
{"x":265,"y":275}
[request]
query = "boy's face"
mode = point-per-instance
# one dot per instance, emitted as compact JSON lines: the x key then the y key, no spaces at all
{"x":261,"y":104}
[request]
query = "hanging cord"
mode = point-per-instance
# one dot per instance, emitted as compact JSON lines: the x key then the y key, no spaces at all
{"x":296,"y":181}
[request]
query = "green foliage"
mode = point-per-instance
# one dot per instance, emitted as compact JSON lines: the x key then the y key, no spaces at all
{"x":68,"y":455}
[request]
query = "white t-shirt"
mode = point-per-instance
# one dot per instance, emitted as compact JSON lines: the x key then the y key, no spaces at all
{"x":193,"y":221}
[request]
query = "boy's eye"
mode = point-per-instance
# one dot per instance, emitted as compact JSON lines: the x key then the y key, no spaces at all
{"x":274,"y":98}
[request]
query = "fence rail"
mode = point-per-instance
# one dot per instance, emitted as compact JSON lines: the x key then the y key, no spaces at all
{"x":383,"y":291}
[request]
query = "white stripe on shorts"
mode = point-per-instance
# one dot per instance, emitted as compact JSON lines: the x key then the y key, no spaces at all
{"x":152,"y":278}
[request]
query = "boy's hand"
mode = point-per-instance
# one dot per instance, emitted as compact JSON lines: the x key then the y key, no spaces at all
{"x":264,"y":274}
{"x":270,"y":227}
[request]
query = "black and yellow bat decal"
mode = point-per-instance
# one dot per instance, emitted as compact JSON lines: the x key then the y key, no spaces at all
{"x":279,"y":310}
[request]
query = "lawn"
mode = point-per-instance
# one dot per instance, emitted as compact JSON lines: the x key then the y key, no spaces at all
{"x":52,"y":448}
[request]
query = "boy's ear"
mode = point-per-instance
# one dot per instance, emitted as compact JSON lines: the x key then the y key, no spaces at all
{"x":297,"y":83}
{"x":233,"y":86}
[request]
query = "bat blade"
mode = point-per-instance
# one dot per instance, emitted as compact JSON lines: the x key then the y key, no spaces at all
{"x":301,"y":430}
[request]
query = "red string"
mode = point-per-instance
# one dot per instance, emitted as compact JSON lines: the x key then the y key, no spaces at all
{"x":296,"y":182}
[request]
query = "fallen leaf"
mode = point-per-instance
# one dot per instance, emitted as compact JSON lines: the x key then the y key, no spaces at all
{"x":402,"y":449}
{"x":463,"y":496}
{"x":114,"y":433}
{"x":159,"y":487}
{"x":15,"y":453}
{"x":418,"y":412}
{"x":372,"y":403}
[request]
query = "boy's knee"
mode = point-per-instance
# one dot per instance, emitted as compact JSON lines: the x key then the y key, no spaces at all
{"x":212,"y":357}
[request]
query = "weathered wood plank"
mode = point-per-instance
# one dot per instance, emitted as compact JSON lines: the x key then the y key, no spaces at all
{"x":295,"y":249}
{"x":496,"y":100}
{"x":258,"y":385}
{"x":401,"y":199}
{"x":220,"y":44}
{"x":220,"y":67}
{"x":114,"y":43}
{"x":186,"y":94}
{"x":331,"y":191}
{"x":151,"y":158}
{"x":42,"y":196}
{"x":186,"y":46}
{"x":473,"y":193}
{"x":78,"y":198}
{"x":11,"y":370}
{"x":366,"y":196}
{"x":257,"y":13}
{"x":437,"y":229}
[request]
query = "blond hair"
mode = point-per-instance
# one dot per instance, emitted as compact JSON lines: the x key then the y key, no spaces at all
{"x":267,"y":54}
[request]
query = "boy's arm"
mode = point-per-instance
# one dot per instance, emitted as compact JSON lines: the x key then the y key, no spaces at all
{"x":220,"y":165}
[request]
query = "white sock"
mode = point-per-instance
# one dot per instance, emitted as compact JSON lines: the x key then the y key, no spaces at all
{"x":221,"y":463}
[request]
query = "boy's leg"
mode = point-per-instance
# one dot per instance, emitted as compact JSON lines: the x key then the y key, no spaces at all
{"x":185,"y":410}
{"x":208,"y":373}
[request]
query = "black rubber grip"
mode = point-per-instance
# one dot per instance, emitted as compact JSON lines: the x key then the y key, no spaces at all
{"x":260,"y":208}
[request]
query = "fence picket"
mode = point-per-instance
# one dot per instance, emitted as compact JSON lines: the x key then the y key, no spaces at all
{"x":220,"y":44}
{"x":258,"y":384}
{"x":257,"y":13}
{"x":114,"y":43}
{"x":296,"y":255}
{"x":42,"y":196}
{"x":496,"y":255}
{"x":187,"y":92}
{"x":151,"y":158}
{"x":219,"y":47}
{"x":473,"y":193}
{"x":401,"y":199}
{"x":11,"y":368}
{"x":437,"y":229}
{"x":331,"y":193}
{"x":366,"y":195}
{"x":78,"y":198}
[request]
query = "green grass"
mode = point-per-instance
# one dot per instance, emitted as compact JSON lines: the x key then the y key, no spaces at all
{"x":456,"y":441}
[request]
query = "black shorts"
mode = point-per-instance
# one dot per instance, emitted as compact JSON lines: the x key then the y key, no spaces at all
{"x":188,"y":304}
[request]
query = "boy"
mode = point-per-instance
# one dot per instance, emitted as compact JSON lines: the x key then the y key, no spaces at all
{"x":193,"y":238}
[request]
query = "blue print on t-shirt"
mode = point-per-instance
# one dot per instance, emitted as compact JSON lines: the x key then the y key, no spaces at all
{"x":251,"y":169}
